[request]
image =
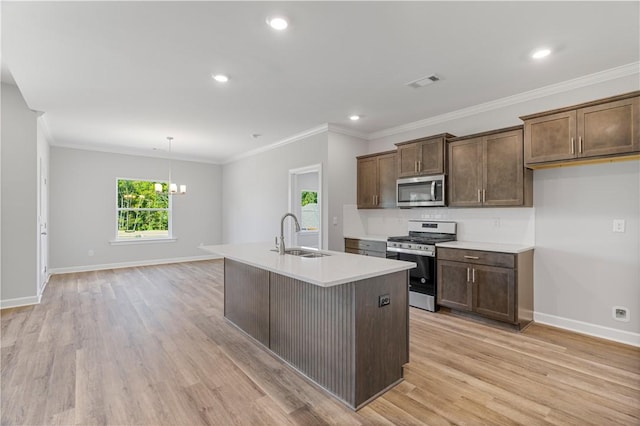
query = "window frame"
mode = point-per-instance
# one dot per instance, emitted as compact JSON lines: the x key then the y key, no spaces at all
{"x":169,"y":210}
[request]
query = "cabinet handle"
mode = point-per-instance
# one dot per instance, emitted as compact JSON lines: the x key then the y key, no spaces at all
{"x":484,"y":195}
{"x":415,"y":167}
{"x":471,"y":257}
{"x":377,"y":200}
{"x":573,"y":146}
{"x":479,"y":200}
{"x":580,"y":145}
{"x":473,"y":275}
{"x":467,"y":274}
{"x":419,"y":166}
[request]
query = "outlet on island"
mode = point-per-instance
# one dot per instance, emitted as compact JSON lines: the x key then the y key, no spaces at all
{"x":384,"y":300}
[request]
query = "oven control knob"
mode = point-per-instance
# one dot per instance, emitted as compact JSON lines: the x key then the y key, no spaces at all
{"x":422,"y":280}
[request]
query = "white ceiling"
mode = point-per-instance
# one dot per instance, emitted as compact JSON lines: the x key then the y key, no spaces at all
{"x":122,"y":76}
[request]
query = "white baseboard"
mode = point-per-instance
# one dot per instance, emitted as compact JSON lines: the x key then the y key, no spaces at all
{"x":594,"y":330}
{"x":87,"y":268}
{"x":19,"y":301}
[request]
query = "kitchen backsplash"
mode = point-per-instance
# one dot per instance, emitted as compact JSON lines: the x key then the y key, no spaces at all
{"x":492,"y":225}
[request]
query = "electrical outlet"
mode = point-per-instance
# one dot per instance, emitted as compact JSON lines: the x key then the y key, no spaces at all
{"x":90,"y":253}
{"x":384,"y":300}
{"x":496,"y":222}
{"x":618,"y":225}
{"x":620,"y":313}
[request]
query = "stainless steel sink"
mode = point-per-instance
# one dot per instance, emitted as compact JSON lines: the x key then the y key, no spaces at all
{"x":303,"y":253}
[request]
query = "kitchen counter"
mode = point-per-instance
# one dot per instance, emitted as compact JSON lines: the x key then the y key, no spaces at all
{"x":335,"y":269}
{"x":380,"y":238}
{"x":496,"y":247}
{"x":341,"y":320}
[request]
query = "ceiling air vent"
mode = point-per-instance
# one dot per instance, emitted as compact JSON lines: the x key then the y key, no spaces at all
{"x":423,"y":81}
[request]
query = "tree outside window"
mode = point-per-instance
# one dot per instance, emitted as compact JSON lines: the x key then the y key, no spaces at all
{"x":141,"y":212}
{"x":310,"y":213}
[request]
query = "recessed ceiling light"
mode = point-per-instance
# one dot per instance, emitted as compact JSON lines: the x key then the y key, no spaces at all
{"x":277,"y":23}
{"x":220,"y":78}
{"x":354,"y":118}
{"x":540,"y":53}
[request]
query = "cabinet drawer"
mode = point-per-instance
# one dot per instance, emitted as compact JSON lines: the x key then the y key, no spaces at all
{"x":505,"y":260}
{"x":380,"y":246}
{"x":366,"y":252}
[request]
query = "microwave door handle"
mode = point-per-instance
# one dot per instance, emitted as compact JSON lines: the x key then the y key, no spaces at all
{"x":433,"y":190}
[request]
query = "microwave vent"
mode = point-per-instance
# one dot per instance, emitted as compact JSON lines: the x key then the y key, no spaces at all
{"x":423,"y":81}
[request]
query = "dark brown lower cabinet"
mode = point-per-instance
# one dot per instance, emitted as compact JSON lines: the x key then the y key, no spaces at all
{"x":494,"y":285}
{"x":341,"y":336}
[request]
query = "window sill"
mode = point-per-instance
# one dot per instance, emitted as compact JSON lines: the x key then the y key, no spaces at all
{"x":142,"y":241}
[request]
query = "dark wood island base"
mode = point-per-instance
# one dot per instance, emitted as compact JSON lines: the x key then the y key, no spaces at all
{"x":351,"y":339}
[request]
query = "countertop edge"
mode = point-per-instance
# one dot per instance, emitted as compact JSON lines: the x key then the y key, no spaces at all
{"x":482,"y":246}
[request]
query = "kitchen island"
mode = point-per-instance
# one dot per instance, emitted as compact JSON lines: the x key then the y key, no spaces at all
{"x":342,"y":320}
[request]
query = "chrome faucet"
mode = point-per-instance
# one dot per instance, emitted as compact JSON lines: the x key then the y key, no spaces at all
{"x":281,"y":245}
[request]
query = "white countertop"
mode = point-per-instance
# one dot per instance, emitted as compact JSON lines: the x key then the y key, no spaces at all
{"x":497,"y":247}
{"x":367,"y":237}
{"x":327,"y":271}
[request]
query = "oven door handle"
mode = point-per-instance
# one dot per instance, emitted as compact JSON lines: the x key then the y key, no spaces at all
{"x":410,"y":251}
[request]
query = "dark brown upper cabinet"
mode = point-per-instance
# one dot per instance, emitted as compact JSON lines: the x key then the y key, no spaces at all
{"x":487,"y":169}
{"x":583,"y":133}
{"x":377,"y":180}
{"x":423,"y":157}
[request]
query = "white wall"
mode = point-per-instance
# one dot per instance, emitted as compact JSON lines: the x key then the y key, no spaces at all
{"x":341,"y":173}
{"x":83,"y":202}
{"x":19,"y":195}
{"x":583,"y":268}
{"x":256,"y":189}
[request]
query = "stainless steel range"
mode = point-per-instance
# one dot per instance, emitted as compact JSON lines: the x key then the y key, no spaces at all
{"x":420,"y":247}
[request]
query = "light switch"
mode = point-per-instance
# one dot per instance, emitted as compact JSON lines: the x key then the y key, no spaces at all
{"x":335,"y":220}
{"x":618,"y":225}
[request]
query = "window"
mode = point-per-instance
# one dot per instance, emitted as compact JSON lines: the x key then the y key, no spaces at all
{"x":310,"y":215}
{"x":141,"y":213}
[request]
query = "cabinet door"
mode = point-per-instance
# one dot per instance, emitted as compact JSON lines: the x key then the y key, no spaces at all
{"x":454,"y":287}
{"x":465,"y":173}
{"x":494,"y":292}
{"x":550,"y":138}
{"x":408,"y":159}
{"x":431,"y":157}
{"x":610,"y":128}
{"x":503,"y":172}
{"x":367,"y":182}
{"x":387,"y":177}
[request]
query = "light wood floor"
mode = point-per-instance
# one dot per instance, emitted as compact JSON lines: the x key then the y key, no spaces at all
{"x":150,"y":346}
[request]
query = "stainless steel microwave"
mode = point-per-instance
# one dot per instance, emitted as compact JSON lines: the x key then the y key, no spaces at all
{"x":422,"y":191}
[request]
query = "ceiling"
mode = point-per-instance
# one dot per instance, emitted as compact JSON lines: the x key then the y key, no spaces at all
{"x":122,"y":76}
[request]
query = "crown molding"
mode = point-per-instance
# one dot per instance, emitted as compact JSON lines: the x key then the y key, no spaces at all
{"x":137,"y":153}
{"x":565,"y":86}
{"x":291,"y":139}
{"x":348,"y":132}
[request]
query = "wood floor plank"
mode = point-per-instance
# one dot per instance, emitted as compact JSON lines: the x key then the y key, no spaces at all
{"x":150,"y":346}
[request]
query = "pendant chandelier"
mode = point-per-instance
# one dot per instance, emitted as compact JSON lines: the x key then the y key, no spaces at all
{"x":173,"y":187}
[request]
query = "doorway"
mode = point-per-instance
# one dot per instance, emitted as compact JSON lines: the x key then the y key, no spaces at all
{"x":43,"y":246}
{"x":305,"y":201}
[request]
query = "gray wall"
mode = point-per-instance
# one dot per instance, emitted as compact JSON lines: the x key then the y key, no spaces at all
{"x":83,"y":203}
{"x":582,"y":268}
{"x":256,"y":189}
{"x":19,"y":194}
